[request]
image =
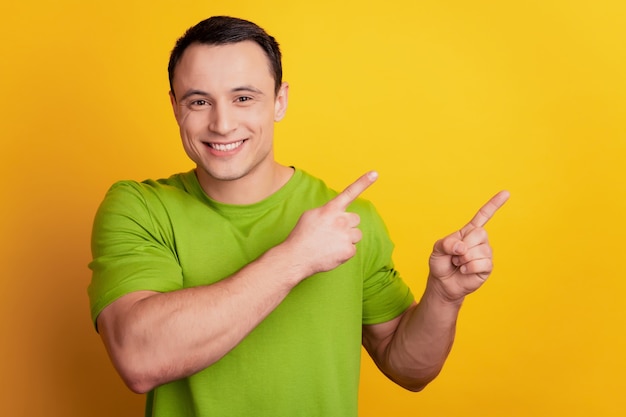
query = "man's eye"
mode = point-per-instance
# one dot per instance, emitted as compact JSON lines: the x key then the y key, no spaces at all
{"x":243,"y":99}
{"x":198,"y":104}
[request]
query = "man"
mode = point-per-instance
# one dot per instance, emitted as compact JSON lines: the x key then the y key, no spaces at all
{"x":246,"y":287}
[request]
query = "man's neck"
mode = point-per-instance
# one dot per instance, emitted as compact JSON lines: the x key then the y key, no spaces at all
{"x":250,"y":189}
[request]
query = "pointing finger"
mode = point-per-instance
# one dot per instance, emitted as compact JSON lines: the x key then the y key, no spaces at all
{"x":347,"y":196}
{"x":487,"y":211}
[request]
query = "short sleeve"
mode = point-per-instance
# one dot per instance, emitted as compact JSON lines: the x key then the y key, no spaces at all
{"x":132,"y":247}
{"x":385,"y":294}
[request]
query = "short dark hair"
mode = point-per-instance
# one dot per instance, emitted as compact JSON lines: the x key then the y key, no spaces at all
{"x":221,"y":30}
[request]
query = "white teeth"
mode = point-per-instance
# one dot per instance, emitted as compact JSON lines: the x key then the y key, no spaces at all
{"x":225,"y":147}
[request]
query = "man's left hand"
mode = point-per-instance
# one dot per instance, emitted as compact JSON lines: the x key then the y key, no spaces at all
{"x":461,"y":262}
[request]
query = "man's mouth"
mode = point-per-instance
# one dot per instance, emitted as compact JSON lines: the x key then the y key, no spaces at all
{"x":225,"y":147}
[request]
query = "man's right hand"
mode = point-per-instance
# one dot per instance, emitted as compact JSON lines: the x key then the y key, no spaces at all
{"x":325,"y":237}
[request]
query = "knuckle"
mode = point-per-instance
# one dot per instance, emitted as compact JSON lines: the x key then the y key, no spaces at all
{"x":439,"y":243}
{"x":484,"y":266}
{"x":341,"y":222}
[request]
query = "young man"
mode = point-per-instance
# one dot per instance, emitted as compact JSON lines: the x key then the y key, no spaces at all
{"x":246,"y":287}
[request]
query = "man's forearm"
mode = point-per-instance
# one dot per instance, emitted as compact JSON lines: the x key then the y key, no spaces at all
{"x":418,"y":349}
{"x":161,"y":337}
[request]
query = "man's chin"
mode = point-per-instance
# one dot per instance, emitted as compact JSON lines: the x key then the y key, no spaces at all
{"x":214,"y":175}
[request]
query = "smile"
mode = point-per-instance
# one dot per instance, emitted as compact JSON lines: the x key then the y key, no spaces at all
{"x":225,"y":147}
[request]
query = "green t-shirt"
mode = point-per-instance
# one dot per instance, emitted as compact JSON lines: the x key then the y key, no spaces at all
{"x":304,"y":358}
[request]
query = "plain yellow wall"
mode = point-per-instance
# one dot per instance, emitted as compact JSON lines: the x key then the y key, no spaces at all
{"x":450,"y":100}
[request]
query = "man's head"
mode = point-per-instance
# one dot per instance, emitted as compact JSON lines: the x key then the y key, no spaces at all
{"x":223,"y":30}
{"x":226,"y":100}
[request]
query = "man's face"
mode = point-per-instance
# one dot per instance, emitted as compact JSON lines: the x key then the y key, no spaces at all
{"x":225,"y":105}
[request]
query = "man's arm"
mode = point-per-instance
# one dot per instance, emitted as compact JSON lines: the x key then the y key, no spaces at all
{"x":155,"y":338}
{"x":412,"y":349}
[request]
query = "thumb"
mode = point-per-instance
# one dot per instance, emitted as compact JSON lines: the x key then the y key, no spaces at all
{"x":449,"y":246}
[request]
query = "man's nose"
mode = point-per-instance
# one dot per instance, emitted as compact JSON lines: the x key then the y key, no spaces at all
{"x":222,"y":119}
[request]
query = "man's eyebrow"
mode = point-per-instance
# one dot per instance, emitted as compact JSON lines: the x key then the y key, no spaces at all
{"x":192,"y":92}
{"x":247,"y":88}
{"x":243,"y":88}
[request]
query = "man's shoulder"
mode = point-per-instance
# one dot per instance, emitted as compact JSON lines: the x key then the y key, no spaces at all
{"x":174,"y":184}
{"x":132,"y":196}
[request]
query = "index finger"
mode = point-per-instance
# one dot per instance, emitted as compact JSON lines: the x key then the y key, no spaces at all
{"x":487,"y":211}
{"x":352,"y":191}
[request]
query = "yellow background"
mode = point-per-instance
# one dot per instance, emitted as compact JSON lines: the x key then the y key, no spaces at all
{"x":450,"y":100}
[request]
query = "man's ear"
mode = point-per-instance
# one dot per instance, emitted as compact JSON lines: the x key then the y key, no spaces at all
{"x":280,"y":104}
